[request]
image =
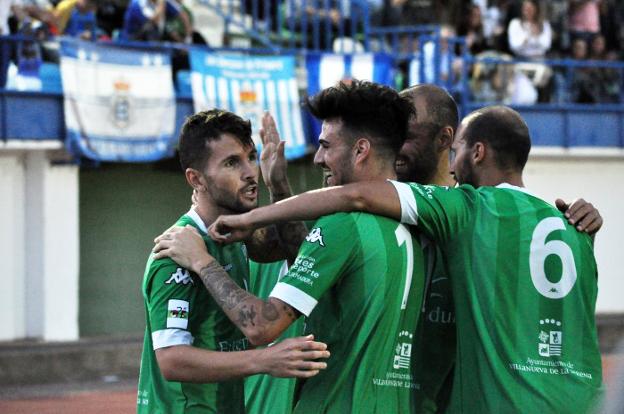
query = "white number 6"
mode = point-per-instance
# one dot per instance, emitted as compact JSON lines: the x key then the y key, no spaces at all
{"x":540,"y":250}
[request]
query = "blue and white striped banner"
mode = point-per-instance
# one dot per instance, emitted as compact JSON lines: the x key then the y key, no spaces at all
{"x":248,"y":86}
{"x":113,"y":111}
{"x":326,"y":69}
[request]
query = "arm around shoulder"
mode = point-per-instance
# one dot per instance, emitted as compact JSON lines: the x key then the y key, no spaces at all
{"x":294,"y":357}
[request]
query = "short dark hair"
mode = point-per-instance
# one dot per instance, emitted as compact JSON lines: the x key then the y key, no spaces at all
{"x":505,"y":131}
{"x":441,"y":107}
{"x":206,"y":126}
{"x":366,"y":108}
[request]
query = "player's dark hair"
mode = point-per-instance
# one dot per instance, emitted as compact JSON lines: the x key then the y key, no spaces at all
{"x":441,"y":107}
{"x":504,"y":130}
{"x":206,"y":126}
{"x":366,"y":109}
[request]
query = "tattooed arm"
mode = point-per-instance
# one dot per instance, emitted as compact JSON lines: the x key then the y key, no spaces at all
{"x":261,"y":321}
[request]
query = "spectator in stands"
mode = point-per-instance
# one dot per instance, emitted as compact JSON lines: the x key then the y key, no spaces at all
{"x":606,"y":81}
{"x":584,"y":19}
{"x":110,"y":16}
{"x":610,"y":23}
{"x":420,"y":12}
{"x":529,"y":36}
{"x":7,"y":8}
{"x":494,"y":16}
{"x":557,"y":13}
{"x":471,"y":26}
{"x":145,"y":20}
{"x":581,"y":89}
{"x":76,"y":18}
{"x":321,"y":20}
{"x":176,"y":31}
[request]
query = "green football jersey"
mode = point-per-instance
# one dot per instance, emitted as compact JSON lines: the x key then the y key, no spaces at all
{"x":180,"y":311}
{"x":435,"y":339}
{"x":360,"y":279}
{"x":524,"y":284}
{"x":264,"y":393}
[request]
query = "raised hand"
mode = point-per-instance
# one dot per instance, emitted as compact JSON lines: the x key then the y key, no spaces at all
{"x":272,"y":160}
{"x":295,"y":357}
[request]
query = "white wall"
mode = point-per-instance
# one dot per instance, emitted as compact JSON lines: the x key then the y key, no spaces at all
{"x":39,"y":245}
{"x":12,"y":280}
{"x":598,"y":180}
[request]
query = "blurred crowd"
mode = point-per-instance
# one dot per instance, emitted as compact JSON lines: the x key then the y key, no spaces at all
{"x":132,"y":20}
{"x":507,"y":30}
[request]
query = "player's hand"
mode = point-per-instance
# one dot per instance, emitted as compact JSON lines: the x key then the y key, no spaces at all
{"x":185,"y":246}
{"x":273,"y":163}
{"x":581,"y":214}
{"x":230,"y":229}
{"x":295,"y":357}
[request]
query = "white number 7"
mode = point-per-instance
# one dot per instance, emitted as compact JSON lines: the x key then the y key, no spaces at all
{"x":540,"y":250}
{"x":403,"y":236}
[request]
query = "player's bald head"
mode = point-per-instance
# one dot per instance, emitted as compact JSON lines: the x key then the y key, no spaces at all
{"x":433,"y":104}
{"x":504,"y":130}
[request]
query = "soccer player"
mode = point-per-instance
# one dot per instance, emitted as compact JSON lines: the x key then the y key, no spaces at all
{"x":359,"y":278}
{"x":524,"y":281}
{"x":194,"y":358}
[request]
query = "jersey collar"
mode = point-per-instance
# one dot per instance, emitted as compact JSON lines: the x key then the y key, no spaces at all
{"x":195,"y":217}
{"x":515,"y":187}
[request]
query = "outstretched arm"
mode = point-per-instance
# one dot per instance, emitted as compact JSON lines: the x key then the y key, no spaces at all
{"x":294,"y":357}
{"x":377,"y":197}
{"x":261,"y":321}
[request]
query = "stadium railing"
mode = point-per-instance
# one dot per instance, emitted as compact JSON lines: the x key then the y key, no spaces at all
{"x":475,"y":81}
{"x":316,"y":25}
{"x":553,"y":95}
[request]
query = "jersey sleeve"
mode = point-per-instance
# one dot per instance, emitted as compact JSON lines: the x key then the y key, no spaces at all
{"x":438,"y":212}
{"x":170,"y":301}
{"x":324,"y":256}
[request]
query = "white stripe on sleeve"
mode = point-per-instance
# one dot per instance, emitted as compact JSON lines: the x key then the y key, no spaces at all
{"x":296,"y":298}
{"x":409,"y":210}
{"x":171,"y":337}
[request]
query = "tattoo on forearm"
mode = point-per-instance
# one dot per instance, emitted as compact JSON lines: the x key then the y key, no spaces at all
{"x":269,"y":312}
{"x":246,"y":316}
{"x":223,"y":289}
{"x":237,"y":303}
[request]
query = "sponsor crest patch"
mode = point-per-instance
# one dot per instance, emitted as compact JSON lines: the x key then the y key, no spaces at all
{"x":177,"y":314}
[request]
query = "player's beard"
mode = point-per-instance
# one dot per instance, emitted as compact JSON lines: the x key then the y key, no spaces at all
{"x":467,"y":174}
{"x":418,"y":167}
{"x":233,"y":202}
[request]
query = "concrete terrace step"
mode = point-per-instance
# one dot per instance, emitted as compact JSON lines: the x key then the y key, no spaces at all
{"x":107,"y":359}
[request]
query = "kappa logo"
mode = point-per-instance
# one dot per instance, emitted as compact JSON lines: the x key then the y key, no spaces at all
{"x":315,"y":236}
{"x":180,"y":276}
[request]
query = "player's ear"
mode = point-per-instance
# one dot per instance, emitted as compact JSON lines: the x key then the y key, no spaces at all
{"x":478,"y":152}
{"x":445,"y":138}
{"x":361,"y":149}
{"x":195,"y":179}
